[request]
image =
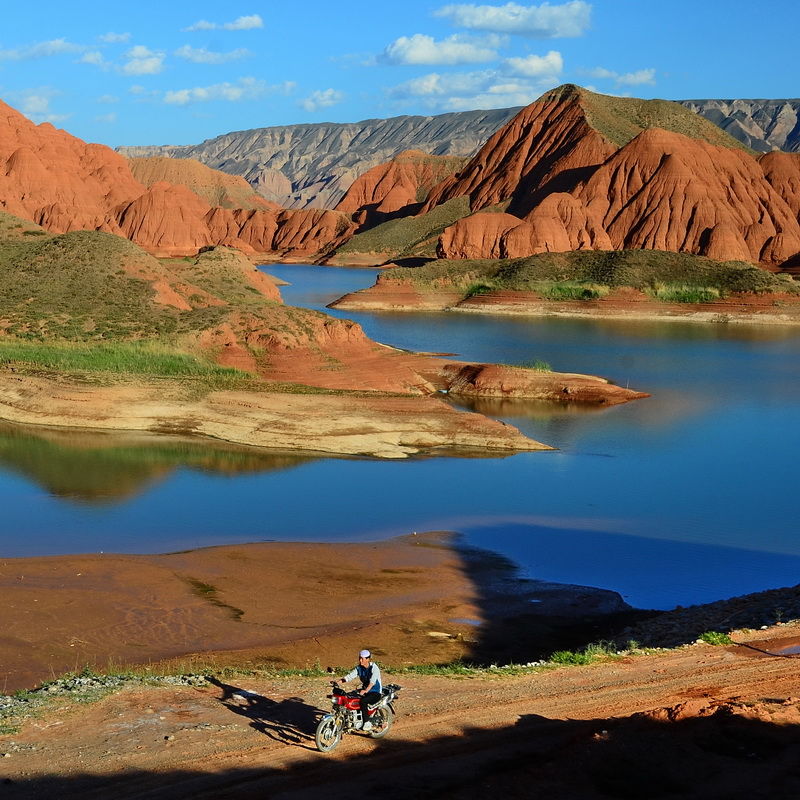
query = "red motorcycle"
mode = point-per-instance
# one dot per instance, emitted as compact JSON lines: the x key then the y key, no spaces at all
{"x":345,"y":716}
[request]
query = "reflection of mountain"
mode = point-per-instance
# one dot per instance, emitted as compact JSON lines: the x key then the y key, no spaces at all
{"x":102,"y":468}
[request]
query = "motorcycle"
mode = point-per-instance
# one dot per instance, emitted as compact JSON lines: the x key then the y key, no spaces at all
{"x":345,"y":716}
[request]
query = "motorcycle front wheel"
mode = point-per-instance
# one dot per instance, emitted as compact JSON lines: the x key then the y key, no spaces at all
{"x":381,"y":722}
{"x":329,"y":733}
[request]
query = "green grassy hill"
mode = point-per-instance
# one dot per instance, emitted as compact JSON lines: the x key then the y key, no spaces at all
{"x":620,"y":119}
{"x":408,"y":236}
{"x":646,"y":270}
{"x":79,"y":286}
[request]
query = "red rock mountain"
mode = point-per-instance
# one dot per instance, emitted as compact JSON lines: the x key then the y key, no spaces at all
{"x":215,"y":187}
{"x":582,"y":171}
{"x":65,"y":184}
{"x":783,"y":173}
{"x":398,"y":187}
{"x":58,"y":181}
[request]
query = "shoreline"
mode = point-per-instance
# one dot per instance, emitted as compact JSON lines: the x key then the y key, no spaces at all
{"x":432,"y":599}
{"x":377,"y":425}
{"x":388,"y":296}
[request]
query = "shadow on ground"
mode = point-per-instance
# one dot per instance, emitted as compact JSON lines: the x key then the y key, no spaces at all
{"x":291,"y":721}
{"x":526,"y":620}
{"x":726,"y":752}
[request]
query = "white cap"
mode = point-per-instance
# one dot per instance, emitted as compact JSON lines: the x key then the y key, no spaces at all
{"x":364,"y":654}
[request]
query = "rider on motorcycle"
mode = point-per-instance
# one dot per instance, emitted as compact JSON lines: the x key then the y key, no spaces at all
{"x":370,"y":692}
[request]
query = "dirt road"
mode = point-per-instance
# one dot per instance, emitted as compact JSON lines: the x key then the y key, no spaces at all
{"x":701,"y":721}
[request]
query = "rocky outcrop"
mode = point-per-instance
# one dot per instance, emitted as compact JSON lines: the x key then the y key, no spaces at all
{"x":762,"y":125}
{"x":302,"y":166}
{"x":548,"y":137}
{"x":477,"y":236}
{"x":500,"y":381}
{"x":556,"y":142}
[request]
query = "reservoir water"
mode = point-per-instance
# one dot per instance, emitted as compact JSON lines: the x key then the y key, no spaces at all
{"x":681,"y":498}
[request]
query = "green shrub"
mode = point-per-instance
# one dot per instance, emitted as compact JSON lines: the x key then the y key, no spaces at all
{"x":478,"y":288}
{"x":571,"y":658}
{"x":716,"y":638}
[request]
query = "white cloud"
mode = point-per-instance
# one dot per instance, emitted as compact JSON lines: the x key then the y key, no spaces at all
{"x":322,"y":99}
{"x":244,"y":23}
{"x":142,"y":61}
{"x":114,"y":38}
{"x":638,"y":78}
{"x":422,"y":49}
{"x":94,"y":57}
{"x":538,"y":22}
{"x":244,"y":89}
{"x":509,"y":86}
{"x":240,"y":24}
{"x":201,"y":56}
{"x":533,"y":66}
{"x":54,"y":47}
{"x":107,"y":99}
{"x":35,"y":104}
{"x":107,"y":119}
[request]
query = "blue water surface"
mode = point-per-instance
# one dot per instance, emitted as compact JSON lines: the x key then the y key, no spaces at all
{"x":684,"y":497}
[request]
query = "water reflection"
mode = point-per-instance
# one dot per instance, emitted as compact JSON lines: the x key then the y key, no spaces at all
{"x":99,"y":468}
{"x":682,"y":497}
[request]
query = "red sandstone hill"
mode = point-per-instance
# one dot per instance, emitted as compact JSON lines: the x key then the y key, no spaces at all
{"x":582,"y":171}
{"x":397,"y":188}
{"x":215,"y":187}
{"x":64,"y":184}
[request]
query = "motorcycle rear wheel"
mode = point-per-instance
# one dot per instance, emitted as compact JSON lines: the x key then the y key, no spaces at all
{"x":381,"y":722}
{"x":328,"y":734}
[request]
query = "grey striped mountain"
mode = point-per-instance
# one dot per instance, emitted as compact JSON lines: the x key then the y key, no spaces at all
{"x":303,"y":166}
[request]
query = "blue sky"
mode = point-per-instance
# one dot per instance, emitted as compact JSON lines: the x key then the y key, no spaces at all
{"x":179,"y":72}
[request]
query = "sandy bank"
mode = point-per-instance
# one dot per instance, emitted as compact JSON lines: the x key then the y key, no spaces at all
{"x":388,"y":426}
{"x":416,"y":599}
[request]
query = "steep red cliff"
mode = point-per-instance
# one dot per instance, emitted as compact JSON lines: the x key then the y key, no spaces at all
{"x":549,"y":137}
{"x":782,"y":170}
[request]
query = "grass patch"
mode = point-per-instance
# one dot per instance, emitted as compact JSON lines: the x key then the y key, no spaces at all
{"x":478,"y":288}
{"x":409,"y":236}
{"x":571,"y":290}
{"x":716,"y":638}
{"x":132,"y":358}
{"x":536,"y":364}
{"x":588,"y":655}
{"x":670,"y":293}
